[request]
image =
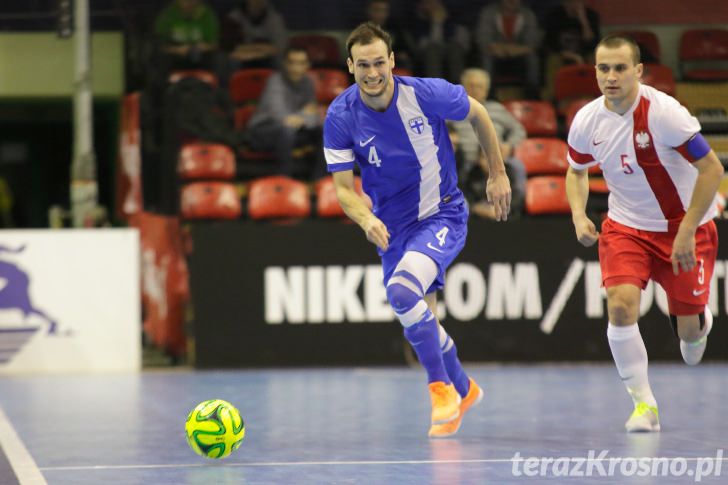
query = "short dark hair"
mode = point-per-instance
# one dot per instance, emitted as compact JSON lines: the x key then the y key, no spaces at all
{"x":367,"y":33}
{"x":616,"y":41}
{"x":294,"y":48}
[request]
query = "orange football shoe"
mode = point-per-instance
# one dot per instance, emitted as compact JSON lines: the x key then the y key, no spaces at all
{"x":474,"y":396}
{"x":445,"y":402}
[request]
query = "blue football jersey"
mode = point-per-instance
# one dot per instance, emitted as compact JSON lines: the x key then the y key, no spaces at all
{"x":404,"y":154}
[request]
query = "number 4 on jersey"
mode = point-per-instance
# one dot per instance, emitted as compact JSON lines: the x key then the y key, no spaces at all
{"x":441,"y":235}
{"x":374,"y":157}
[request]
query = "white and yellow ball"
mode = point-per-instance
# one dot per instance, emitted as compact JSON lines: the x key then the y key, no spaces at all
{"x":214,"y":429}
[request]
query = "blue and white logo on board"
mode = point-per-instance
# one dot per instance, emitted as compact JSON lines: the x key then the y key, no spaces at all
{"x":15,"y":297}
{"x":417,"y":125}
{"x":69,"y":301}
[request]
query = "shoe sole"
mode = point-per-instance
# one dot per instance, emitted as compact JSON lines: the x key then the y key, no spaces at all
{"x":448,"y":420}
{"x":644,"y":430}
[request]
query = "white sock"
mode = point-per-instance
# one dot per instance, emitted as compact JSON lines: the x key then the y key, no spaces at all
{"x":706,"y":326}
{"x":630,"y":356}
{"x":692,"y":351}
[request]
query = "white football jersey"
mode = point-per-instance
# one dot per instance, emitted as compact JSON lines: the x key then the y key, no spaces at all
{"x":643,"y":156}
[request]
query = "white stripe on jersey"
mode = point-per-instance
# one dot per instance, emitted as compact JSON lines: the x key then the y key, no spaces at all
{"x":338,"y":156}
{"x":425,"y":149}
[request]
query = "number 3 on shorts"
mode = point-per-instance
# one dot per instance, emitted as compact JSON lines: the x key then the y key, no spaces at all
{"x":441,"y":235}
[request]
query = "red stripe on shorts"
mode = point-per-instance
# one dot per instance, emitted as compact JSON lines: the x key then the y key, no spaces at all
{"x":660,"y":182}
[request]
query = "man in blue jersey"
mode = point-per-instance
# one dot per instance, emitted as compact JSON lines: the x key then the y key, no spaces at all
{"x":394,"y":129}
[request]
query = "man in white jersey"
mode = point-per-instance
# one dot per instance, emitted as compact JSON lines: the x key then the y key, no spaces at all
{"x":394,"y":129}
{"x":662,"y":177}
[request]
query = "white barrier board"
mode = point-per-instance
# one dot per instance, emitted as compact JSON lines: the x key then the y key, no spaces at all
{"x":69,"y":301}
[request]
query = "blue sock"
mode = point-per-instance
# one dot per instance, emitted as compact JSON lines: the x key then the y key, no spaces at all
{"x":454,"y":368}
{"x":425,"y":340}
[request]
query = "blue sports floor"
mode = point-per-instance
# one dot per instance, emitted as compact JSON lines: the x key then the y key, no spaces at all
{"x":363,"y":426}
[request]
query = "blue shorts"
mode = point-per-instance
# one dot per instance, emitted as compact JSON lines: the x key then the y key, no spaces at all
{"x":440,"y":236}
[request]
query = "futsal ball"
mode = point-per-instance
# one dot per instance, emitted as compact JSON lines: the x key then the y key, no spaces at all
{"x":214,"y":429}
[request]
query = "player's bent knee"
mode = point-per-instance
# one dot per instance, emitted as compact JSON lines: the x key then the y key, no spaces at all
{"x":622,"y":313}
{"x":401,"y":298}
{"x":407,"y":305}
{"x":688,"y":327}
{"x":623,"y":304}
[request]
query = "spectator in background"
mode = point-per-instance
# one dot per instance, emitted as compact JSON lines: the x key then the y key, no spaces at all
{"x":255,"y":35}
{"x":188,"y":33}
{"x":473,"y":172}
{"x":287,"y":116}
{"x":507,"y":36}
{"x":434,"y":40}
{"x":572,"y":33}
{"x":379,"y":13}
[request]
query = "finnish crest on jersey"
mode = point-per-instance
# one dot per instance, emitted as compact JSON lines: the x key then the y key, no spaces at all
{"x":643,"y":140}
{"x":417,"y":125}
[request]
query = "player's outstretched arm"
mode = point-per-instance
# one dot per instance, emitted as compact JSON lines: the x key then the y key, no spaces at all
{"x":710,"y":173}
{"x":498,"y":188}
{"x":357,"y":210}
{"x":577,"y":191}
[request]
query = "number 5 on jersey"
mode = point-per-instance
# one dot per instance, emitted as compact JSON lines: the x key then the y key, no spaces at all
{"x":374,"y":157}
{"x":626,"y":167}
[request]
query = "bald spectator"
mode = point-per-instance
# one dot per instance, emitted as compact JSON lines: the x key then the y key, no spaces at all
{"x":510,"y":133}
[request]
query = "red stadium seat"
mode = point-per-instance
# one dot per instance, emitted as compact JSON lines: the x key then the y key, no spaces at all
{"x":206,"y":161}
{"x":210,"y":200}
{"x":327,"y":204}
{"x":572,"y":108}
{"x":200,"y":74}
{"x":575,"y":82}
{"x":402,"y":71}
{"x":329,"y":83}
{"x":648,"y":42}
{"x":547,"y":195}
{"x":278,"y":196}
{"x":247,"y":85}
{"x":537,"y":117}
{"x":323,"y":50}
{"x":543,"y":156}
{"x":659,"y":77}
{"x":703,"y":48}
